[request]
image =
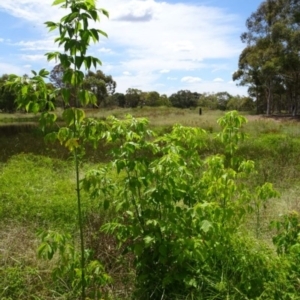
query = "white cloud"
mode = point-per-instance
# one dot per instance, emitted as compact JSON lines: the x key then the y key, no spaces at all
{"x":148,"y":38}
{"x":219,"y":67}
{"x":105,"y":50}
{"x":142,"y":80}
{"x":33,"y":57}
{"x":135,"y":11}
{"x":45,"y":45}
{"x":1,"y":40}
{"x":190,"y":79}
{"x":27,"y":66}
{"x":31,"y":10}
{"x":181,"y":46}
{"x":164,"y":71}
{"x":218,"y":79}
{"x":10,"y":69}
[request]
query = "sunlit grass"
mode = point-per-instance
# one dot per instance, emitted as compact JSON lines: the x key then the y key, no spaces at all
{"x":37,"y":188}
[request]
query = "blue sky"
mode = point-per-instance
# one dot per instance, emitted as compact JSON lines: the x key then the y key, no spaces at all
{"x":153,"y":45}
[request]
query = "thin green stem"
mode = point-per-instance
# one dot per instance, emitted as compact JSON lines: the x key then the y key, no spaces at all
{"x":257,"y":222}
{"x":80,"y":223}
{"x":140,"y":218}
{"x":78,"y":191}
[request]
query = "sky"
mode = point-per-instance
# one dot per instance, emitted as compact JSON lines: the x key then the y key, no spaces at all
{"x":152,"y":45}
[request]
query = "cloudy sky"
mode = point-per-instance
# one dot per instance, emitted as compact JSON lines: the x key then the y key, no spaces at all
{"x":156,"y":45}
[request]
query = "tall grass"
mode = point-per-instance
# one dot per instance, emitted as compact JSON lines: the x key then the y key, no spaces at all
{"x":37,"y":191}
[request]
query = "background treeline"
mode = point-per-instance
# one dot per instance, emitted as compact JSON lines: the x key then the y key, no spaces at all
{"x":104,"y":87}
{"x":270,"y":63}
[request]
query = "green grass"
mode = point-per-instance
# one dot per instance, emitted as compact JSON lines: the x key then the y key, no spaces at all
{"x":18,"y":117}
{"x":37,"y":190}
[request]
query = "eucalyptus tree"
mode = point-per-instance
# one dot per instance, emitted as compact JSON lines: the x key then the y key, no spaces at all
{"x":270,"y":57}
{"x":184,"y":99}
{"x":56,"y":76}
{"x":287,"y":33}
{"x":134,"y":97}
{"x":117,"y":99}
{"x":258,"y":67}
{"x":152,"y":98}
{"x":100,"y":84}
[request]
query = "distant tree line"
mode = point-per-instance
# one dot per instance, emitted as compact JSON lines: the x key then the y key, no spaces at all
{"x":270,"y":63}
{"x":104,"y":87}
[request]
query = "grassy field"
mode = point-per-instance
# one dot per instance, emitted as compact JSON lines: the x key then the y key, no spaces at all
{"x":37,"y":192}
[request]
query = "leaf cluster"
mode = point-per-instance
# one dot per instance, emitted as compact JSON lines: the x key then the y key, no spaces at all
{"x":179,"y":214}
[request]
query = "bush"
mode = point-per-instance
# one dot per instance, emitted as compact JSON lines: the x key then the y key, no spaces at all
{"x":181,"y":216}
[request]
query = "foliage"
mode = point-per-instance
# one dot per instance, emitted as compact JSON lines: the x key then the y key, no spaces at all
{"x":7,"y":97}
{"x":269,"y":64}
{"x":152,"y":98}
{"x":287,"y":242}
{"x":101,"y":85}
{"x":240,"y":103}
{"x":47,"y":202}
{"x":133,"y":98}
{"x":68,"y":268}
{"x":224,"y":101}
{"x":184,"y":99}
{"x":288,"y":230}
{"x":17,"y":282}
{"x":164,"y":100}
{"x":117,"y":99}
{"x":34,"y":95}
{"x":182,"y":215}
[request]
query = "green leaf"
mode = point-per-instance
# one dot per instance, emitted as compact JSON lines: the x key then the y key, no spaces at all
{"x":24,"y":90}
{"x":66,"y":94}
{"x":43,"y":73}
{"x":88,"y":62}
{"x":63,"y":134}
{"x":56,"y":2}
{"x":106,"y":204}
{"x":78,"y":61}
{"x":69,"y":18}
{"x":35,"y":108}
{"x":138,"y":249}
{"x":94,"y":15}
{"x":206,"y":226}
{"x":105,"y":12}
{"x":67,"y":77}
{"x":69,"y":116}
{"x":52,"y":55}
{"x":96,"y":61}
{"x":95,"y":35}
{"x":79,"y":114}
{"x":72,"y":143}
{"x":51,"y":25}
{"x":148,"y":240}
{"x":51,"y":137}
{"x":102,"y":33}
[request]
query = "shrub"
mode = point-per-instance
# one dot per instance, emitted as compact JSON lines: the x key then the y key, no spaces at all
{"x":181,"y":215}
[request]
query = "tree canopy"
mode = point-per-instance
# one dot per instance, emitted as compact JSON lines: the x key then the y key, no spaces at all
{"x":184,"y":99}
{"x":270,"y":64}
